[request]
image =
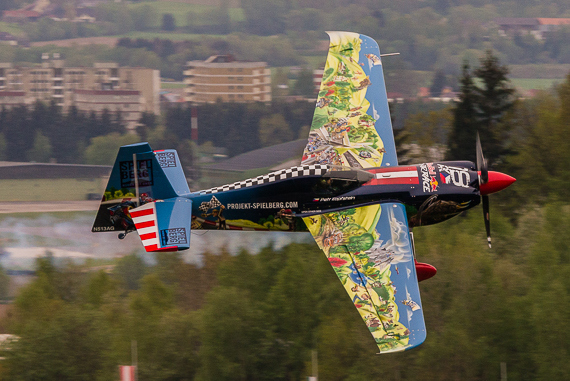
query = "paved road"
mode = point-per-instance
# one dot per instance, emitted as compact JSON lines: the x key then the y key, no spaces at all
{"x":47,"y":206}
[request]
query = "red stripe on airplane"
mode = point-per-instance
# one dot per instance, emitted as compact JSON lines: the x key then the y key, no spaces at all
{"x":148,"y":236}
{"x":168,"y":248}
{"x":140,"y":213}
{"x":151,"y":248}
{"x":145,"y":224}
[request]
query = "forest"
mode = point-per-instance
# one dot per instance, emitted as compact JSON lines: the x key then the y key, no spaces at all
{"x":259,"y":317}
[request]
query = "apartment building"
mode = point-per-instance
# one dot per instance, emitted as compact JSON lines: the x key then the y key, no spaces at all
{"x":222,"y":77}
{"x":129,"y":90}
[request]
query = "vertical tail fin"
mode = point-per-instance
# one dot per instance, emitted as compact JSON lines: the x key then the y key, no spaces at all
{"x":158,"y":176}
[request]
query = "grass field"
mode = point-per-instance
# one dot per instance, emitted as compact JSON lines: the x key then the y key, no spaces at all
{"x":49,"y":189}
{"x":181,"y":10}
{"x":534,"y":83}
{"x":11,"y":28}
{"x":166,"y":35}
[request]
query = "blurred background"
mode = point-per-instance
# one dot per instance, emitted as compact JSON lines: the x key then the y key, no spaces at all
{"x":231,"y":84}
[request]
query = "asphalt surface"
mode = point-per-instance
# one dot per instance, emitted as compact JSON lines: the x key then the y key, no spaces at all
{"x":47,"y":206}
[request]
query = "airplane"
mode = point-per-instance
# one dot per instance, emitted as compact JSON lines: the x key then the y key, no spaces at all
{"x":348,"y":191}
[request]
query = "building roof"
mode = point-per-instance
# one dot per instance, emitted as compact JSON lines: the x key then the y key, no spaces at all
{"x":553,"y":21}
{"x":5,"y":36}
{"x":519,"y":21}
{"x":12,"y":93}
{"x":268,"y":156}
{"x":226,"y":61}
{"x":19,"y":170}
{"x":107,"y":92}
{"x":20,"y":13}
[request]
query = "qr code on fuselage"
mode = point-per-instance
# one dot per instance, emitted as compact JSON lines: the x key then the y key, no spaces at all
{"x":176,"y":236}
{"x":166,"y":159}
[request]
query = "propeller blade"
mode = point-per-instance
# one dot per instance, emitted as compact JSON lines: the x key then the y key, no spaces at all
{"x":487,"y":219}
{"x":481,"y":163}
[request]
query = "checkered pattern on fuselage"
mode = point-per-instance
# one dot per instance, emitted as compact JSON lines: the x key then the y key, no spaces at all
{"x":304,"y":170}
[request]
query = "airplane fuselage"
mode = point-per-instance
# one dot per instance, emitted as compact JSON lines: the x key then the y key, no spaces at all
{"x":431,"y":192}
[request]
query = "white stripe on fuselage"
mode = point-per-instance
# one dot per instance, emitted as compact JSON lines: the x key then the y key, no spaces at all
{"x":393,"y":175}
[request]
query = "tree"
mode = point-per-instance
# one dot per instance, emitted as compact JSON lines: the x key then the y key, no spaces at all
{"x":482,"y":108}
{"x":130,"y":269}
{"x":265,"y":17}
{"x":543,"y":147}
{"x":438,"y":83}
{"x":495,"y":99}
{"x":144,"y":17}
{"x":168,"y":22}
{"x":3,"y":147}
{"x":464,"y":128}
{"x":304,"y":84}
{"x":103,"y":149}
{"x":274,"y":130}
{"x":41,"y":151}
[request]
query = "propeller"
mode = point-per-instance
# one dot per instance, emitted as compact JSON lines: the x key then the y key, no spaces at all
{"x":483,"y":179}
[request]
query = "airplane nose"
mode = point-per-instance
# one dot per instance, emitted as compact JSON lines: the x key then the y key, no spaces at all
{"x":497,"y":181}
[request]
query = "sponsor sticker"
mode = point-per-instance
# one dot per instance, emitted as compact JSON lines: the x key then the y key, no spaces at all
{"x":144,"y":173}
{"x":429,"y":178}
{"x":263,"y":205}
{"x":454,"y":175}
{"x":176,"y":236}
{"x":166,"y":159}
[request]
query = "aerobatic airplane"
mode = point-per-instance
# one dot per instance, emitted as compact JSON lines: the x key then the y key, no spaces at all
{"x":348,"y":191}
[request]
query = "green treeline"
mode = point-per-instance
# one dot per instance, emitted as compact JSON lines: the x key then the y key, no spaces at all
{"x":258,"y":317}
{"x":41,"y":132}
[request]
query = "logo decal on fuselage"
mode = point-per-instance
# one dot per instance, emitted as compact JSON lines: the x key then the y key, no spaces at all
{"x":454,"y":175}
{"x":429,"y":179}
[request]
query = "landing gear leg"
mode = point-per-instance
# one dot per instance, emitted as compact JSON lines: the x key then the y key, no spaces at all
{"x":123,"y":235}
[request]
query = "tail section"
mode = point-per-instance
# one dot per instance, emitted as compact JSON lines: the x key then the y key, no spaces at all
{"x":158,"y":176}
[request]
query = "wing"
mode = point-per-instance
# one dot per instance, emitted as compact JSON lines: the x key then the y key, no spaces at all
{"x":370,"y":251}
{"x":351,"y":124}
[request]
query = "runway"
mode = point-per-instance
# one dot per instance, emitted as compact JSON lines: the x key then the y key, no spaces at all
{"x":47,"y":206}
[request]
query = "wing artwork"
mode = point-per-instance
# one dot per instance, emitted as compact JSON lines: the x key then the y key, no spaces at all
{"x":370,"y":251}
{"x":368,"y":247}
{"x":351,"y":124}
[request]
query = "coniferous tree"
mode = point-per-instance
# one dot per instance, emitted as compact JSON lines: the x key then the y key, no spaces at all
{"x":437,"y":84}
{"x":464,"y":128}
{"x":495,"y":99}
{"x":482,"y":109}
{"x":168,"y":22}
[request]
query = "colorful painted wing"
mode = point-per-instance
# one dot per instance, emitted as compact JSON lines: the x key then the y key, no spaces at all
{"x":351,"y":125}
{"x":370,"y":251}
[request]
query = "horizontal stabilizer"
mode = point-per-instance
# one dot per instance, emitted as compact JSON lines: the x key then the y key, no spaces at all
{"x":164,"y":225}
